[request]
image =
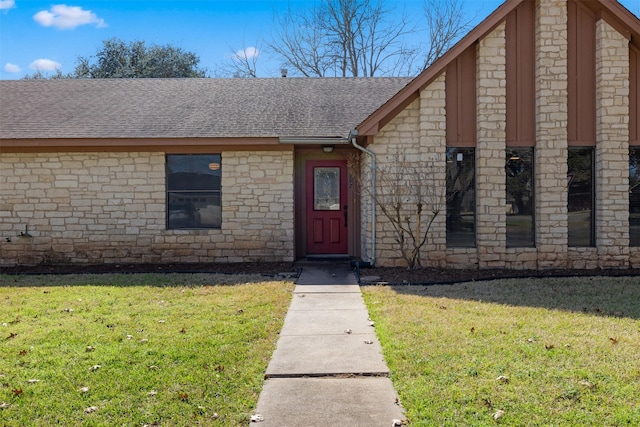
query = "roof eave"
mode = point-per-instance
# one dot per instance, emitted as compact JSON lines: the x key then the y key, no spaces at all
{"x":372,"y":124}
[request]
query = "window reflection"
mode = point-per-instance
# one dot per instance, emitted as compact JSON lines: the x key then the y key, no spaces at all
{"x":193,"y":191}
{"x":580,"y":199}
{"x":461,"y":197}
{"x":634,"y":196}
{"x":520,"y":197}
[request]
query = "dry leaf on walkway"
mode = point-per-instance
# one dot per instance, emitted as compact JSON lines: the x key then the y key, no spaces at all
{"x":347,"y":331}
{"x":368,"y":342}
{"x":257,"y":418}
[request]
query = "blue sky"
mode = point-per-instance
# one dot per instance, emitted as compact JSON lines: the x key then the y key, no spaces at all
{"x":45,"y":35}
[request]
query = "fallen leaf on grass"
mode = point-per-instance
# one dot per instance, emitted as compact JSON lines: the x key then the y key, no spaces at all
{"x":17,"y":391}
{"x":153,"y":368}
{"x":587,"y":384}
{"x":549,"y":346}
{"x":161,"y":321}
{"x":215,"y":416}
{"x":95,"y":368}
{"x":129,"y":337}
{"x":613,"y":340}
{"x":33,"y":381}
{"x":183,"y":396}
{"x":68,"y":310}
{"x":84,"y":389}
{"x":23,"y":352}
{"x":89,"y":349}
{"x":12,"y":335}
{"x":90,"y":409}
{"x":152,"y":393}
{"x":503,"y":379}
{"x":183,"y":331}
{"x":498,"y":414}
{"x":4,"y":405}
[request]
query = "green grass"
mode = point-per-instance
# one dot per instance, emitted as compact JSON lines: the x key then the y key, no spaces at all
{"x":172,"y":350}
{"x":570,"y":349}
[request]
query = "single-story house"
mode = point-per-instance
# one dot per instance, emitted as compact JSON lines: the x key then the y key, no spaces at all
{"x":528,"y":129}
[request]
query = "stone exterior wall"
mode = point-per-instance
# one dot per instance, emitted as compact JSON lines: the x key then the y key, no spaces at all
{"x":551,"y":149}
{"x":401,"y":136}
{"x":421,"y":144}
{"x":423,"y":138}
{"x":612,"y":146}
{"x":111,"y":208}
{"x":491,"y":107}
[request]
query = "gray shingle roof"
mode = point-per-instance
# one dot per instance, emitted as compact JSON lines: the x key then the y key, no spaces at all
{"x":177,"y":108}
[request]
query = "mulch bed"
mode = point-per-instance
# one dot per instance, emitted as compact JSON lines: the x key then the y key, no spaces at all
{"x":426,"y":276}
{"x":388,"y":275}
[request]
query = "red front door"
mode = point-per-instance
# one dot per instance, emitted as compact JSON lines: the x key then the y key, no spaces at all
{"x":327,"y":210}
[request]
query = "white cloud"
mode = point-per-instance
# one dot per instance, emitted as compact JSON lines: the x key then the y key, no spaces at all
{"x":66,"y":17}
{"x":11,"y":68}
{"x":7,"y":4}
{"x":45,"y":65}
{"x":247,"y":53}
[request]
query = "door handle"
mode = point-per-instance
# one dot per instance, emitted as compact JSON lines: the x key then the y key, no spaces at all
{"x":346,"y":216}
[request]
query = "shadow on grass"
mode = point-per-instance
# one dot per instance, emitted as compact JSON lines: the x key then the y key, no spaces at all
{"x":594,"y":295}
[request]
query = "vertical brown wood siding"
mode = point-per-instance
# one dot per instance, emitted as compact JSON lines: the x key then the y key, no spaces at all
{"x":460,"y":88}
{"x":520,"y":33}
{"x":634,"y":96}
{"x":582,"y":75}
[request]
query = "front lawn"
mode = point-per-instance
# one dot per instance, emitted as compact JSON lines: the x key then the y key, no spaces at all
{"x":522,"y":352}
{"x":170,"y":350}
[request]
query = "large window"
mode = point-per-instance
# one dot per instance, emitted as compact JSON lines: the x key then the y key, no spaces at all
{"x":634,"y":196}
{"x":193,"y":191}
{"x":520,"y":203}
{"x":461,"y":197}
{"x":581,"y":197}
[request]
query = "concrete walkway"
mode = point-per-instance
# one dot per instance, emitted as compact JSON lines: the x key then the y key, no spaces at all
{"x":328,"y":367}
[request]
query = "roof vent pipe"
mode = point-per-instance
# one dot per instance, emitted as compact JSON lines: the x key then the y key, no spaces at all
{"x":283,"y":72}
{"x":372,"y":257}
